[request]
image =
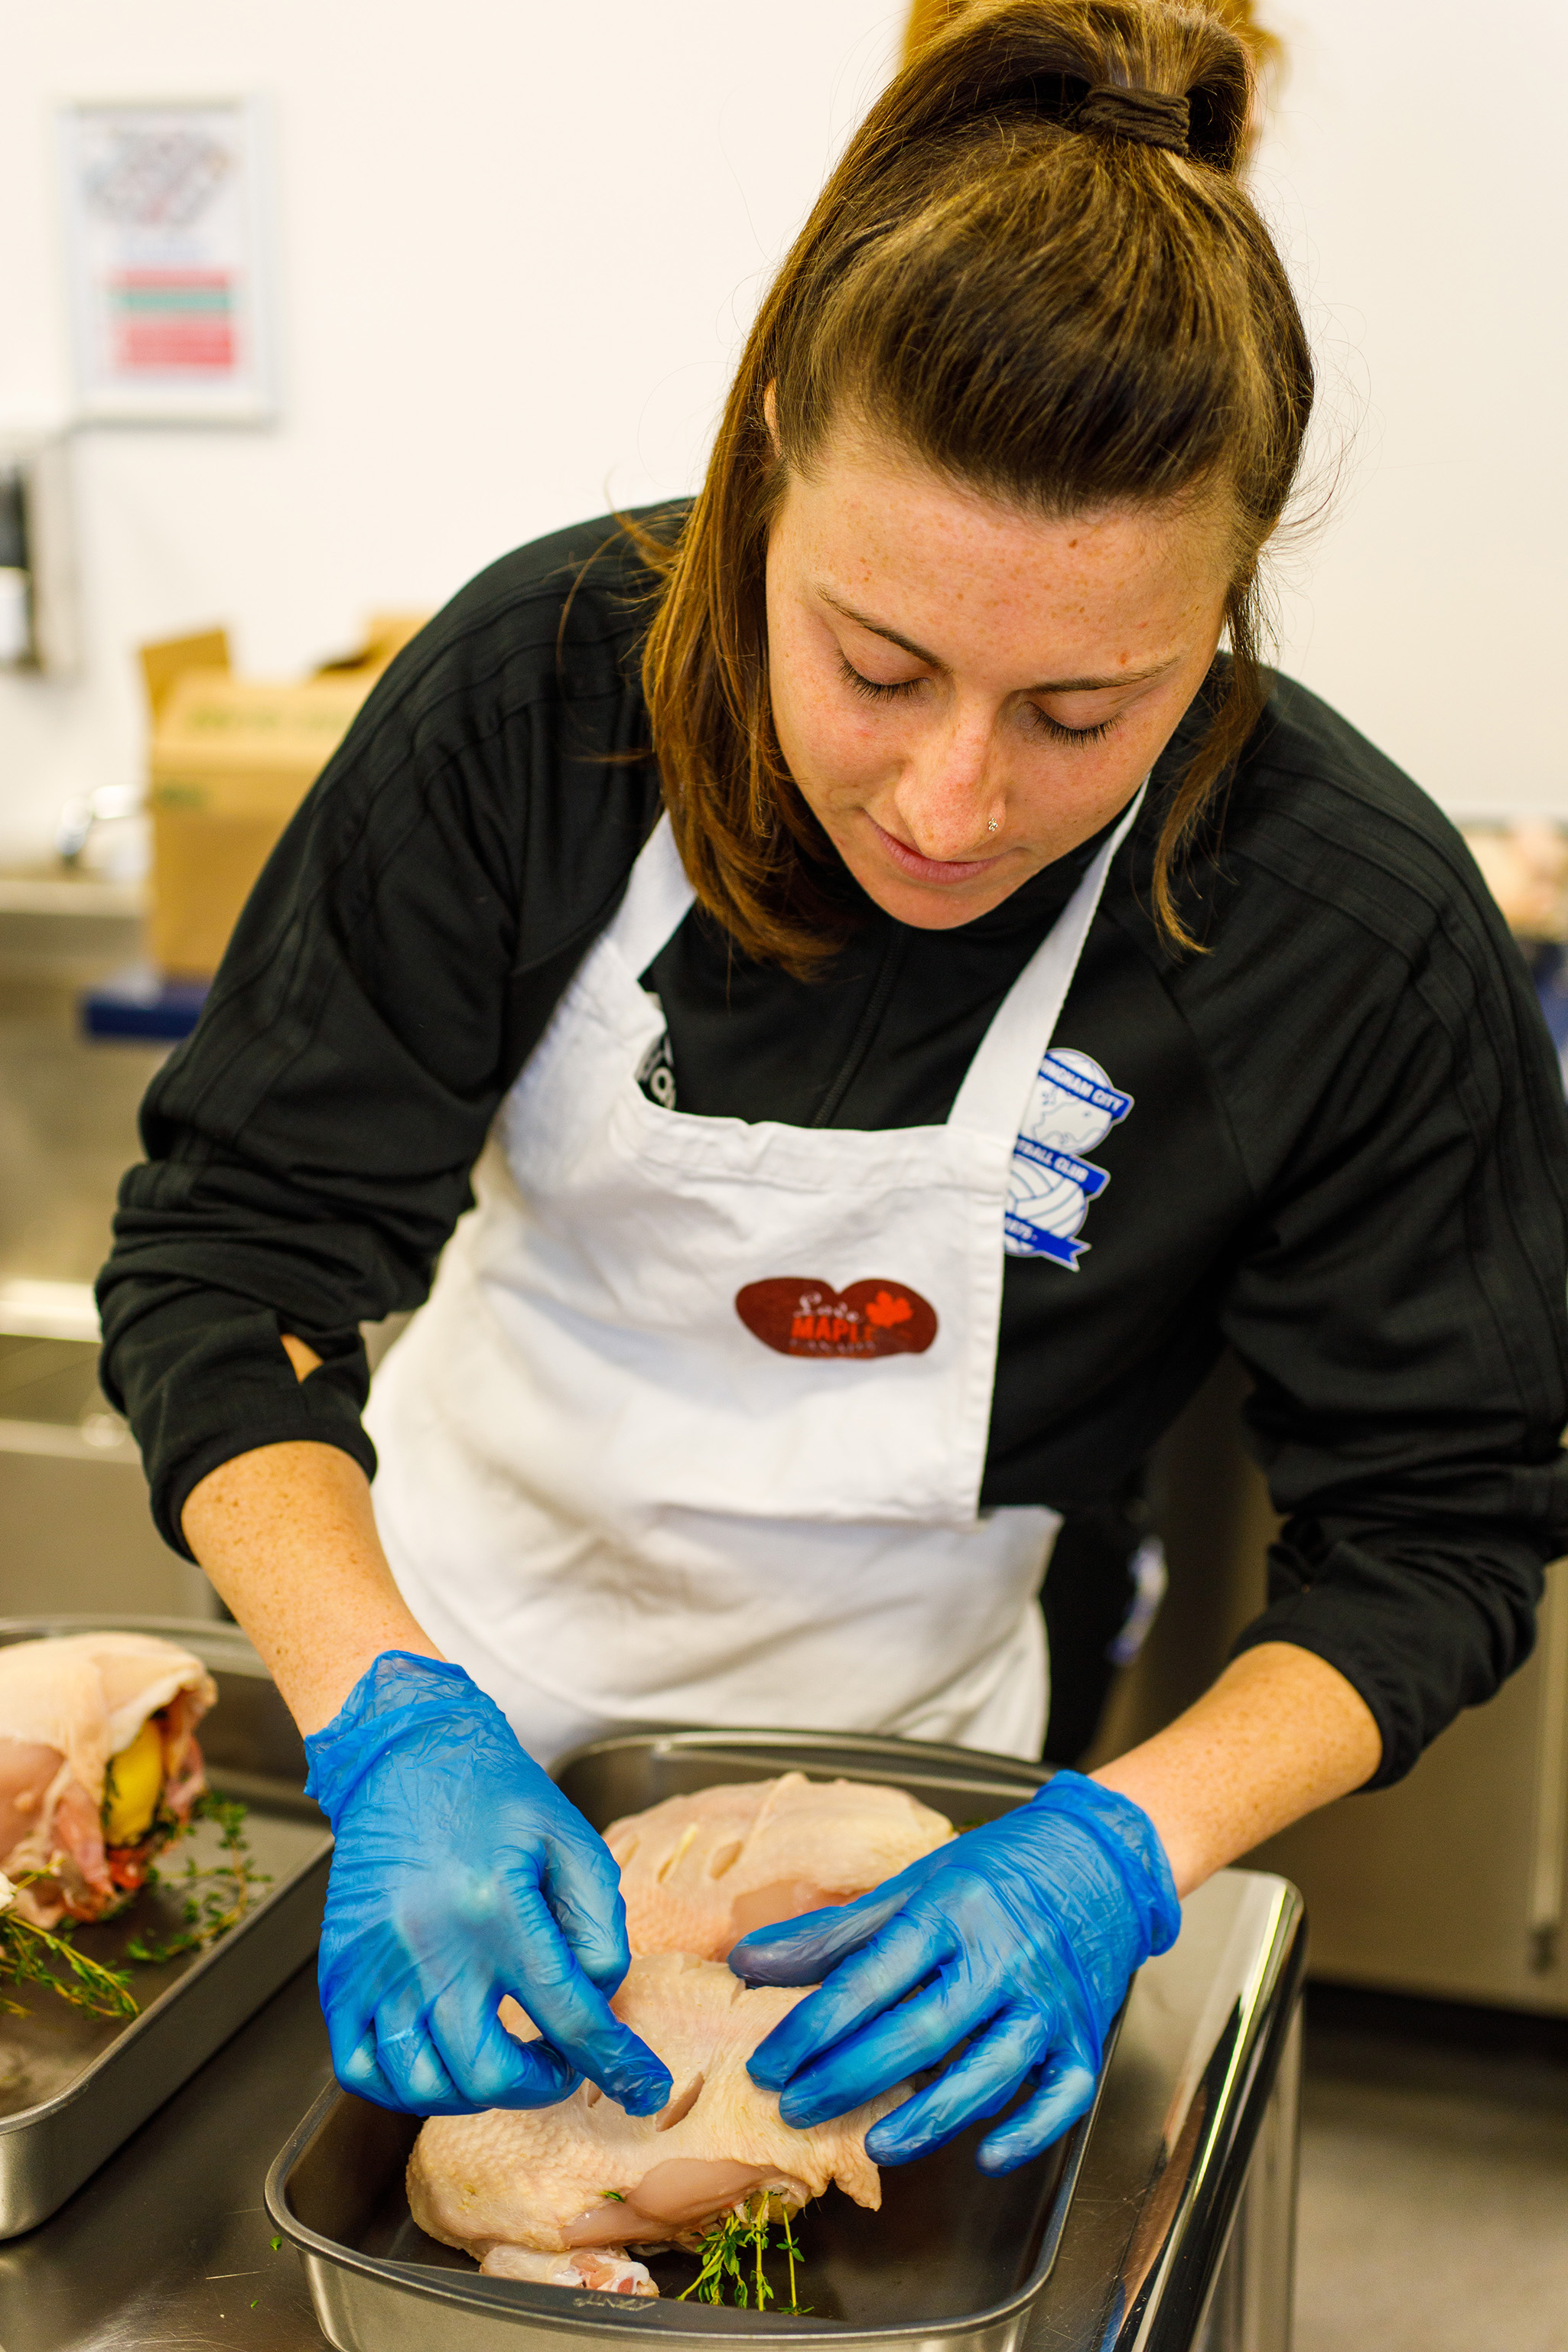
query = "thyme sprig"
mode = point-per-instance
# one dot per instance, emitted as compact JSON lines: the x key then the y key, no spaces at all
{"x":218,"y":1895}
{"x":730,"y":2255}
{"x":36,"y":1955}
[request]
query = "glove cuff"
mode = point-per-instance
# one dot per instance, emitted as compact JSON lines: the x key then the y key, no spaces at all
{"x":398,"y":1693}
{"x":1128,"y":1838}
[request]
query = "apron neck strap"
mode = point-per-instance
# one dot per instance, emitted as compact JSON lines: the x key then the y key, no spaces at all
{"x":658,"y":898}
{"x":995,"y":1092}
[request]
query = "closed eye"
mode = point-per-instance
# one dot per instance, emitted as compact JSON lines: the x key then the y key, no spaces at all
{"x":1039,"y":721}
{"x":867,"y":687}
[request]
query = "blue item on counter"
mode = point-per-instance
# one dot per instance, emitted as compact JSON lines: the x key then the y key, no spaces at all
{"x":462,"y":1873}
{"x":1022,"y":1934}
{"x":1549,"y":968}
{"x":143,"y":1007}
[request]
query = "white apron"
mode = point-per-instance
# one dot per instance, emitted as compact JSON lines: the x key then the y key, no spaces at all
{"x":692,"y":1427}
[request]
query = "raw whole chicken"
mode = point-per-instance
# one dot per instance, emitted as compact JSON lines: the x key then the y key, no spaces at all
{"x":584,"y":2178}
{"x":698,"y":1873}
{"x":99,"y":1764}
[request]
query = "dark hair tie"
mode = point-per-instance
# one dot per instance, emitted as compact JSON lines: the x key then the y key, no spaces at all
{"x":1151,"y":116}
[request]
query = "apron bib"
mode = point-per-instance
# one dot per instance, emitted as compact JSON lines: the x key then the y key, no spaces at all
{"x":692,"y":1427}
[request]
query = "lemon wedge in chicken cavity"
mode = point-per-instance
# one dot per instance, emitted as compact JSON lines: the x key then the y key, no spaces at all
{"x":134,"y":1786}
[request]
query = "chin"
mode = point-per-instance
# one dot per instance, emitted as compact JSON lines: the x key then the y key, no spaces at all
{"x":934,"y":907}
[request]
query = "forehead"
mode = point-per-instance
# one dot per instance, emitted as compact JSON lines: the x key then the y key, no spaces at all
{"x":954,"y":569}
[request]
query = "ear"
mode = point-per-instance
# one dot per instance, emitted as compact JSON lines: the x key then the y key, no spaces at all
{"x":770,"y":413}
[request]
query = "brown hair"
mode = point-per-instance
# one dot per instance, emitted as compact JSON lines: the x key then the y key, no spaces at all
{"x":927,"y":18}
{"x":1063,"y":319}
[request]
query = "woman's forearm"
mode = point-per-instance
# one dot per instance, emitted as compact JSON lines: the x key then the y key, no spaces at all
{"x":1280,"y":1733}
{"x":288,"y":1537}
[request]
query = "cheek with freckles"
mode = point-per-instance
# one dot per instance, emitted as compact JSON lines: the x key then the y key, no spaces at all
{"x":837,"y":762}
{"x":836,"y":754}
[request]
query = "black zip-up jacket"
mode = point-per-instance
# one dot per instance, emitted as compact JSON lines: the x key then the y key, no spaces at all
{"x":1346,"y":1153}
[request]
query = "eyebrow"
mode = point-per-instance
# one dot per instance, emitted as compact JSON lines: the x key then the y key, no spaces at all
{"x":1049,"y":686}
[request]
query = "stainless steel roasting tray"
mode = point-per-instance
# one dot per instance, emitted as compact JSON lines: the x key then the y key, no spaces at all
{"x":953,"y":2258}
{"x":72,"y":2088}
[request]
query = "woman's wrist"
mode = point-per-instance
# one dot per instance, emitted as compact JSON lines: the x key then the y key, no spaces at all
{"x":288,"y":1536}
{"x":404,"y":1698}
{"x":1130,"y":1840}
{"x":1280,"y":1733}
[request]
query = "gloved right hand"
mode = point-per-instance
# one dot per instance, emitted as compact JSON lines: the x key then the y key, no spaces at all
{"x":461,"y":1874}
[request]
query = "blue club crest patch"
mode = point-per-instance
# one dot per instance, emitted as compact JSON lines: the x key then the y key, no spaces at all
{"x":1073,"y":1107}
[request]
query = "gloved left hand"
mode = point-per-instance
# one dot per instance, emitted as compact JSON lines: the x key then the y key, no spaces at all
{"x":1022,"y":1934}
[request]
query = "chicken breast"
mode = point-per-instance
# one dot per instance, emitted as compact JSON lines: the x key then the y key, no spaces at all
{"x":698,"y":1873}
{"x":585,"y":2175}
{"x":96,"y":1746}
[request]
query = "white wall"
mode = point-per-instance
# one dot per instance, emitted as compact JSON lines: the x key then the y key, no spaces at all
{"x":518,"y":245}
{"x":1418,"y":175}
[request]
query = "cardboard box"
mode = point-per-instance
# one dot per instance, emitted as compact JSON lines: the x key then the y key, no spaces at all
{"x":231,"y":760}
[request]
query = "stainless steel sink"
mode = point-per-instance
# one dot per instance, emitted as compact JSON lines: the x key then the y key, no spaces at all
{"x":74,"y":1531}
{"x":68,"y":1108}
{"x":58,"y":921}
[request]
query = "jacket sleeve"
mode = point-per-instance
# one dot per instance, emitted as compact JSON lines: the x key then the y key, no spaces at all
{"x":309,"y":1146}
{"x":1400,"y":1304}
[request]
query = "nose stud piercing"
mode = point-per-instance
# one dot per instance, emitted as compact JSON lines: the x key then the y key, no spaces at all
{"x":992,"y":826}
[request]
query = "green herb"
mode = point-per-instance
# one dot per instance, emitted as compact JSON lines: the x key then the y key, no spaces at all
{"x":789,"y":2249}
{"x":615,"y":2196}
{"x":277,"y":2245}
{"x":217,"y":1897}
{"x":731,"y":2253}
{"x":35,"y":1955}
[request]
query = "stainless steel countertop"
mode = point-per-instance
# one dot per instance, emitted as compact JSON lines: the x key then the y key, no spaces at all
{"x":169,"y":2247}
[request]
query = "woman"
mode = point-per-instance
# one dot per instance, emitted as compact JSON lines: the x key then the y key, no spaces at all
{"x":898,"y":1085}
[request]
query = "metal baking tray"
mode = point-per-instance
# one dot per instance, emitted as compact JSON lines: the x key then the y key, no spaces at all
{"x":72,"y":2088}
{"x":952,"y":2259}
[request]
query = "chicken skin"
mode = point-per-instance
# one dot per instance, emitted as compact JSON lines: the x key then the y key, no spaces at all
{"x":98,"y":1762}
{"x":585,"y":2177}
{"x":698,"y":1873}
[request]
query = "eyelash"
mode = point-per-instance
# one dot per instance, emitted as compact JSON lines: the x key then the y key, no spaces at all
{"x":871,"y":690}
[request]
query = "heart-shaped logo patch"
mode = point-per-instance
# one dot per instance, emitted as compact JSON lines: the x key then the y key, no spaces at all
{"x":802,"y":1317}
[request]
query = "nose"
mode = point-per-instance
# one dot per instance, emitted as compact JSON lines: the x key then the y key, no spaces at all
{"x":951,"y":796}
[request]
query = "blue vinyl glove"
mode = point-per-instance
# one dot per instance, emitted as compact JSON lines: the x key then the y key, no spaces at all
{"x":1022,"y":1934}
{"x":461,"y":1872}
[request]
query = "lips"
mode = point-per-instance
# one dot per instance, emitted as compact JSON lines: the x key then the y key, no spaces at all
{"x":799,"y":1315}
{"x":940,"y":870}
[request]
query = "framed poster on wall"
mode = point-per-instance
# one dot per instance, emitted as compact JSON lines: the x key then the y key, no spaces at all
{"x":166,"y":220}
